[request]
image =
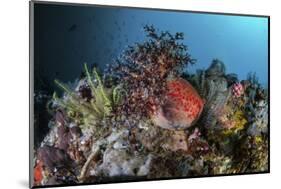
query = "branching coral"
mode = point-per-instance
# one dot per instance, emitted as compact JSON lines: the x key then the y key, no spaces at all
{"x":145,"y":67}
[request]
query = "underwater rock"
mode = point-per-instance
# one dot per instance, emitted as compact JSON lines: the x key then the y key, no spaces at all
{"x":158,"y":140}
{"x":151,"y":138}
{"x":67,"y":135}
{"x":119,"y":162}
{"x":54,"y":181}
{"x":214,"y":107}
{"x":51,"y":138}
{"x":182,"y":106}
{"x":63,"y":138}
{"x":176,"y":142}
{"x":55,"y":166}
{"x":216,"y":93}
{"x":214,"y":86}
{"x":60,"y":118}
{"x":118,"y":159}
{"x":54,"y":158}
{"x":41,"y":118}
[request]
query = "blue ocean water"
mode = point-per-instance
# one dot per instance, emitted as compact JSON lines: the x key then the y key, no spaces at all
{"x":68,"y":36}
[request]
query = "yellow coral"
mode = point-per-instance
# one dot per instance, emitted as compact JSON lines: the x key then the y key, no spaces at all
{"x":258,"y":139}
{"x":88,"y":114}
{"x":238,"y":119}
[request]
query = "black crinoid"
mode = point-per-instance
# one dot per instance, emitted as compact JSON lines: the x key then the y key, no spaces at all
{"x":145,"y":67}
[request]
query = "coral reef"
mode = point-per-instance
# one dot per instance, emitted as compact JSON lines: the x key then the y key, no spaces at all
{"x":145,"y":118}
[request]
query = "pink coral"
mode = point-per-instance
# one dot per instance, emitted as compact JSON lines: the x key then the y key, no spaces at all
{"x":237,"y":89}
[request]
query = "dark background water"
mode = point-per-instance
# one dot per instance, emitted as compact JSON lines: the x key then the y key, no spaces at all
{"x":65,"y":37}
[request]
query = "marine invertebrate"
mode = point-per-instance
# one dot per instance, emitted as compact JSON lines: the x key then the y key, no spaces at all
{"x":91,"y":103}
{"x":197,"y":80}
{"x":234,"y":123}
{"x":212,"y":85}
{"x":237,"y":90}
{"x":181,"y":108}
{"x":256,"y":106}
{"x":145,"y":68}
{"x":253,"y":78}
{"x":221,"y":96}
{"x":217,"y":68}
{"x":212,"y":82}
